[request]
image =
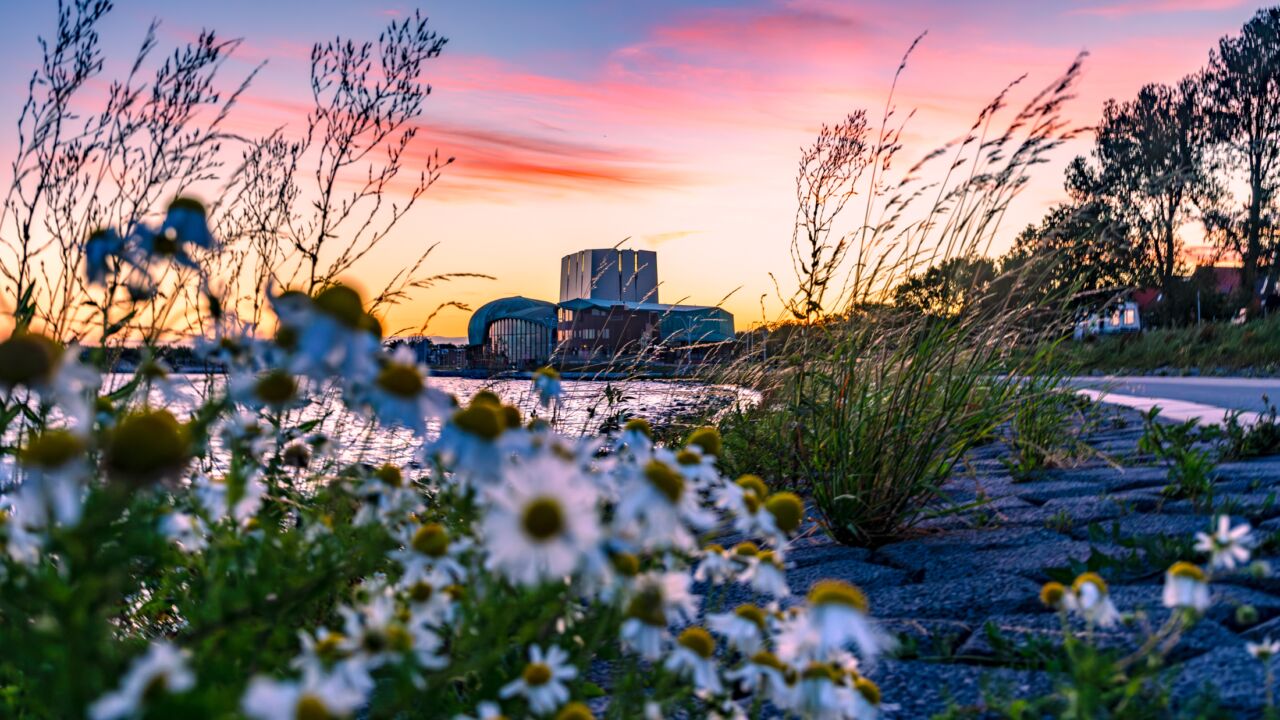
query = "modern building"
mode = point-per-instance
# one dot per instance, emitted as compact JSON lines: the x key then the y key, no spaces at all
{"x":608,"y":309}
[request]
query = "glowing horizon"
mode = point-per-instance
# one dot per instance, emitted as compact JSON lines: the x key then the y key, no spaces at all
{"x":675,"y":124}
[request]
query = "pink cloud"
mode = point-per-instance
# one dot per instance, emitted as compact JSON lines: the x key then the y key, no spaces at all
{"x":1156,"y":7}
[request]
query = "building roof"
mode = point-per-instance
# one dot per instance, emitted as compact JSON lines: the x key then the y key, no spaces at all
{"x":523,"y":308}
{"x":584,"y":303}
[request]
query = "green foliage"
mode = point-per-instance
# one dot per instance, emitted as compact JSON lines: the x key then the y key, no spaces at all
{"x":1208,"y":348}
{"x":1241,"y":441}
{"x":1183,"y":447}
{"x":1044,"y":425}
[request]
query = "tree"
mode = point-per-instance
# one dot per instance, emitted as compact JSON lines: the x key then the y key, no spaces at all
{"x":1153,"y":170}
{"x":1076,"y":255}
{"x":948,"y":289}
{"x":1243,"y":82}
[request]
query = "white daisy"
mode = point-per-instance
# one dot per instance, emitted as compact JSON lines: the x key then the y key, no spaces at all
{"x":541,"y":522}
{"x":484,"y":711}
{"x":743,"y":628}
{"x":220,"y":500}
{"x":839,"y":614}
{"x":317,"y":695}
{"x":546,"y":383}
{"x":658,"y":507}
{"x":656,"y":601}
{"x":1089,"y":597}
{"x":715,"y":566}
{"x":399,"y":394}
{"x":1263,"y":651}
{"x":1227,"y":547}
{"x":693,"y":657}
{"x":54,"y":472}
{"x":541,"y":682}
{"x":1185,"y":586}
{"x":162,"y":669}
{"x":185,"y":530}
{"x":763,"y":672}
{"x":766,"y":573}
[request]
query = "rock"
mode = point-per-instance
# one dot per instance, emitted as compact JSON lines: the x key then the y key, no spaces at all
{"x":1149,"y":524}
{"x":867,"y":576}
{"x":926,"y":637}
{"x":1019,"y":629}
{"x":915,"y":689}
{"x":1079,"y":512}
{"x":1228,"y":674}
{"x":966,"y":599}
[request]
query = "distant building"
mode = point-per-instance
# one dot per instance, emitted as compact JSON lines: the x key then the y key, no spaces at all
{"x":608,"y":308}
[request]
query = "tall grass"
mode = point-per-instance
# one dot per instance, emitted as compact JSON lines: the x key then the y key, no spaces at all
{"x":873,"y":405}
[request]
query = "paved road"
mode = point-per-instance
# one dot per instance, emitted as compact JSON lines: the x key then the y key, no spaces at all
{"x":1183,"y":397}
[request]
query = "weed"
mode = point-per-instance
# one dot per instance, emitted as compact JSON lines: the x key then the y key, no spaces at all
{"x":1182,"y":447}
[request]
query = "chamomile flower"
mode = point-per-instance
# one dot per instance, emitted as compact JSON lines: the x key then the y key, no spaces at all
{"x":276,"y":389}
{"x":766,"y":573}
{"x":162,"y":669}
{"x":817,"y":693}
{"x":39,"y":363}
{"x":186,"y":222}
{"x":656,"y":601}
{"x":484,"y":711}
{"x":839,"y":614}
{"x":54,"y":473}
{"x":1185,"y":586}
{"x":542,"y":522}
{"x":186,"y":531}
{"x":743,"y":627}
{"x":715,"y":566}
{"x":635,"y":440}
{"x":763,"y":672}
{"x":1227,"y":547}
{"x":379,"y":634}
{"x":1263,"y":651}
{"x":430,"y":546}
{"x":693,"y":657}
{"x":471,"y":442}
{"x":317,"y":695}
{"x":658,"y":507}
{"x":546,"y":382}
{"x":238,"y":498}
{"x":1090,"y":598}
{"x":399,"y":394}
{"x":541,"y":683}
{"x":331,"y":333}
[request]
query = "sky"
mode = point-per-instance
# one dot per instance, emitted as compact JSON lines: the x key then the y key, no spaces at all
{"x":673,"y":125}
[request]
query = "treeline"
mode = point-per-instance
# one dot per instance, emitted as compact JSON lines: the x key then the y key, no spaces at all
{"x":1202,"y":152}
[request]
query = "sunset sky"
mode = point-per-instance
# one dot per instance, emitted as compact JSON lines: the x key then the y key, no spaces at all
{"x":675,"y":123}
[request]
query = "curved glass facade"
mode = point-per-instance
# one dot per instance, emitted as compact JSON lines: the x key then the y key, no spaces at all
{"x":520,"y":341}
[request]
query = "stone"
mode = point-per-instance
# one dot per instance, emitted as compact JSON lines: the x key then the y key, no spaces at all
{"x":1229,"y":674}
{"x":966,"y":599}
{"x":1019,"y":629}
{"x":916,"y":689}
{"x":1149,"y":524}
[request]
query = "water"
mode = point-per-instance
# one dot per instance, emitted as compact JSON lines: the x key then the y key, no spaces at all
{"x":583,"y":408}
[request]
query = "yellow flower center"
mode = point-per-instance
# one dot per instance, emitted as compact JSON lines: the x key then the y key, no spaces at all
{"x":639,"y":425}
{"x":820,"y":671}
{"x":483,"y":420}
{"x":146,"y":445}
{"x":626,"y":564}
{"x":575,"y":711}
{"x":536,"y":674}
{"x":329,"y":647}
{"x":688,"y":457}
{"x":869,"y":690}
{"x":838,"y":592}
{"x":421,"y":592}
{"x":27,"y":359}
{"x":707,"y":438}
{"x":310,"y":707}
{"x":341,"y":303}
{"x":669,"y":482}
{"x":511,"y":416}
{"x":754,"y":484}
{"x":296,"y":455}
{"x":1052,"y":593}
{"x":1089,"y":578}
{"x":400,"y":380}
{"x":787,"y":510}
{"x":746,"y":549}
{"x":52,"y":449}
{"x":431,"y":540}
{"x":389,"y":475}
{"x":767,"y":659}
{"x":543,"y":519}
{"x":646,"y":606}
{"x":275,"y":388}
{"x":751,"y":613}
{"x":1187,"y":570}
{"x":486,"y":397}
{"x":699,"y":641}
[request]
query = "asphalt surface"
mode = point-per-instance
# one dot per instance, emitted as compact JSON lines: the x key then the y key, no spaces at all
{"x":1184,"y":397}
